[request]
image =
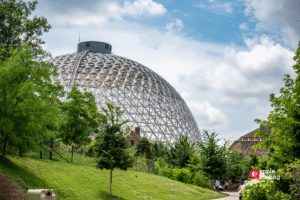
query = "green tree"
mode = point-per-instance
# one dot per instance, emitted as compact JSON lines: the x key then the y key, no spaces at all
{"x":159,"y":150}
{"x":144,"y":147}
{"x":182,"y":151}
{"x":110,"y":149}
{"x":17,"y":30}
{"x":284,"y":120}
{"x":25,"y":108}
{"x":213,"y":161}
{"x":194,"y":164}
{"x":233,"y":162}
{"x":78,"y":123}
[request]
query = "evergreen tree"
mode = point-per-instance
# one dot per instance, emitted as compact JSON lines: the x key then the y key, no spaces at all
{"x":144,"y":147}
{"x":182,"y":151}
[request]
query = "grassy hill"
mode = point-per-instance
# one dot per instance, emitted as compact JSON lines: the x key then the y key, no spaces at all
{"x":81,"y":180}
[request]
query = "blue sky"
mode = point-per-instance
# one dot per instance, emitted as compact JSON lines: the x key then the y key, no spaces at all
{"x":225,"y":58}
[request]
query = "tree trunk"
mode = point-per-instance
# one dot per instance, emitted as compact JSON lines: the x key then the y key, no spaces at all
{"x":4,"y":151}
{"x":72,"y":155}
{"x":110,"y":182}
{"x":41,"y":155}
{"x":51,"y":146}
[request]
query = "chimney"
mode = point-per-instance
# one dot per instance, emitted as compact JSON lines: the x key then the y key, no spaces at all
{"x":137,"y":131}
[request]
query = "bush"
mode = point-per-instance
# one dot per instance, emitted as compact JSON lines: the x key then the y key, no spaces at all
{"x":167,"y":172}
{"x":281,"y":196}
{"x":183,"y":175}
{"x":201,"y":180}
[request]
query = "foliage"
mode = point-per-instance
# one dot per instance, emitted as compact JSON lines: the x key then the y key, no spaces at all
{"x":167,"y":172}
{"x":233,"y":163}
{"x":292,"y":171}
{"x":15,"y":23}
{"x":144,"y":146}
{"x":159,"y":150}
{"x":201,"y":180}
{"x":112,"y":141}
{"x":194,"y":164}
{"x":279,"y":195}
{"x":78,"y":124}
{"x":212,"y":156}
{"x":284,"y":120}
{"x":27,"y":106}
{"x":183,"y":175}
{"x":180,"y":154}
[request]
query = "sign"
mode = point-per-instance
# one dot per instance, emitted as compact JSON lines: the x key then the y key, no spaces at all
{"x":254,"y":174}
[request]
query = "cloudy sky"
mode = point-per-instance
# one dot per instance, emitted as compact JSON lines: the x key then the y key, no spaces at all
{"x":225,"y":58}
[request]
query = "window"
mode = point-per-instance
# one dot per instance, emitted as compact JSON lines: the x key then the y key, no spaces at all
{"x":106,"y":46}
{"x":132,"y":143}
{"x":87,"y":44}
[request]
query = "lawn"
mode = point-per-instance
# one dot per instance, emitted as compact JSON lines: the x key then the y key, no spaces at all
{"x":81,"y":180}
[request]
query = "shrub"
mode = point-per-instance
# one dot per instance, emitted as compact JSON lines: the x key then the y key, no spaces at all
{"x":281,"y":196}
{"x":201,"y":180}
{"x":167,"y":172}
{"x":183,"y":175}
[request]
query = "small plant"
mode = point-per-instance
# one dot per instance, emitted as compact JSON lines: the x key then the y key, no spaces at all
{"x":201,"y":180}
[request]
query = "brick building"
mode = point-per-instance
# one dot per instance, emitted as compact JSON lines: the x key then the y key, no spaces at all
{"x":244,"y":144}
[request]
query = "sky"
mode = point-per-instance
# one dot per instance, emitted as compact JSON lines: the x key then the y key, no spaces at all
{"x":224,"y":58}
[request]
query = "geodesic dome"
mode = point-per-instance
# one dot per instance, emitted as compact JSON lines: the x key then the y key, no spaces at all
{"x":149,"y":101}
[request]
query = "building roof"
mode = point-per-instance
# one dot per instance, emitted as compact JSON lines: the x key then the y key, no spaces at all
{"x":252,"y":133}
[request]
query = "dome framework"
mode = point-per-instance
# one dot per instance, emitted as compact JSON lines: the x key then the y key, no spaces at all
{"x":148,"y":100}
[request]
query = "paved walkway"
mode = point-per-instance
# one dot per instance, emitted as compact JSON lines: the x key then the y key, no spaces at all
{"x":232,"y":196}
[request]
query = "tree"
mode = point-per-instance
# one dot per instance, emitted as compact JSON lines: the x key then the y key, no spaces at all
{"x":144,"y":147}
{"x":284,"y":120}
{"x":194,"y":164}
{"x":110,"y":149}
{"x":14,"y":24}
{"x":27,"y":89}
{"x":182,"y":151}
{"x":213,"y":160}
{"x":233,"y":162}
{"x":78,"y":122}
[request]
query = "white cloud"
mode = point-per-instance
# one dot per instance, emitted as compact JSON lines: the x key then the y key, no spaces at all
{"x":244,"y":26}
{"x":107,"y":10}
{"x":246,"y":75}
{"x":218,"y":8}
{"x":178,"y":25}
{"x":142,"y":7}
{"x":276,"y":16}
{"x":205,"y":113}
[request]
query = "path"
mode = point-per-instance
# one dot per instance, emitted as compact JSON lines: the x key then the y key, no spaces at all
{"x":232,"y":196}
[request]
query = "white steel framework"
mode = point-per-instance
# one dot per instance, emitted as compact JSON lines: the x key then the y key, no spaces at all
{"x":149,"y":101}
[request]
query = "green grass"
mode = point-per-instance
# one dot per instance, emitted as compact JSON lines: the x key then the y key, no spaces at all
{"x":81,"y":180}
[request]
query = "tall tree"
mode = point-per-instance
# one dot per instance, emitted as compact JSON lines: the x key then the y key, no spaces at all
{"x":284,"y":120}
{"x":144,"y":147}
{"x":182,"y":151}
{"x":110,"y":148}
{"x":78,"y":122}
{"x":159,"y":150}
{"x":213,"y":159}
{"x":26,"y":90}
{"x":17,"y":30}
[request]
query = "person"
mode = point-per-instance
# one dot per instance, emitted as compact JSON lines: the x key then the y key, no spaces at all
{"x":226,"y":185}
{"x":217,"y":184}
